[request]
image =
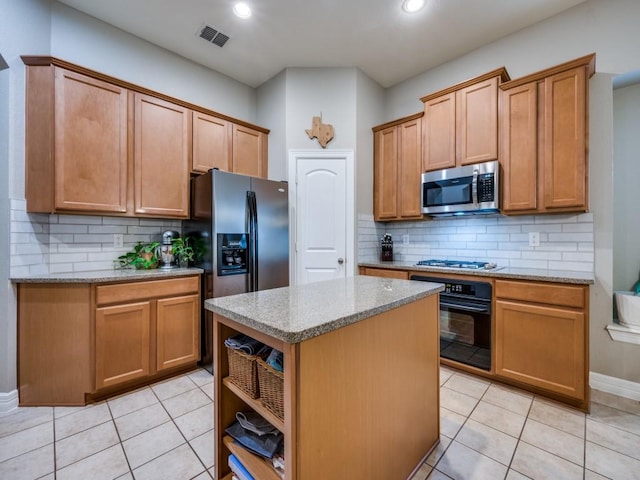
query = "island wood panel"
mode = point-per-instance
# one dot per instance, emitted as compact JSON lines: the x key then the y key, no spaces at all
{"x":211,"y":143}
{"x":368,"y":396}
{"x":477,"y":122}
{"x":162,"y":154}
{"x":54,"y":344}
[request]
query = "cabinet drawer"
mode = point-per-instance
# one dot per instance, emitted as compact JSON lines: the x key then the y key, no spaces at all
{"x":381,"y":272}
{"x":549,"y":293}
{"x":128,"y":292}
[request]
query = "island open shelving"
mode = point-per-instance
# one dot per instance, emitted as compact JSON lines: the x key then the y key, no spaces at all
{"x":361,"y":377}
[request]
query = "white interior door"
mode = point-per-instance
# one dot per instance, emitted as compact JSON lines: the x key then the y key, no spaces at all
{"x":323,"y":226}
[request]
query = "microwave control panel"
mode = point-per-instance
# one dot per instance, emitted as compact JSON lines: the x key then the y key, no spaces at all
{"x":486,"y":187}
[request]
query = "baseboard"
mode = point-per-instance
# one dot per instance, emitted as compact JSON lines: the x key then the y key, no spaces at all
{"x":8,"y":401}
{"x":614,"y":385}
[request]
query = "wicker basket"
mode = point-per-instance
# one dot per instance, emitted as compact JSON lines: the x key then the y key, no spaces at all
{"x":242,"y":371}
{"x":271,"y":388}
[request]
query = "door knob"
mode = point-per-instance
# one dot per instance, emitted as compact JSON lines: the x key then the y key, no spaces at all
{"x":341,"y":260}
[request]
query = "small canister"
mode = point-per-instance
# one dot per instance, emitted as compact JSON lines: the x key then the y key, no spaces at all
{"x":386,"y":248}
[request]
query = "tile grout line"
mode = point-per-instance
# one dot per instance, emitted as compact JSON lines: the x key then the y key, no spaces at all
{"x":115,"y":426}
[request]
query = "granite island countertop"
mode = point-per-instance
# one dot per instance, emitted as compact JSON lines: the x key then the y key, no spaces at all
{"x":108,"y":276}
{"x":297,"y":313}
{"x":537,"y":274}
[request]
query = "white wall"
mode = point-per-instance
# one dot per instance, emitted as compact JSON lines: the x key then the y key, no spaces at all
{"x":18,"y":22}
{"x":609,"y":28}
{"x":84,"y":40}
{"x":369,"y":113}
{"x":626,"y":179}
{"x":272,"y":106}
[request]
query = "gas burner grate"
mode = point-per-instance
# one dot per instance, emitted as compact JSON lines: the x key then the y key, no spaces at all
{"x":456,"y":264}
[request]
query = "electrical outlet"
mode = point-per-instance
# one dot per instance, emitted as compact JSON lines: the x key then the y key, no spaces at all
{"x":118,"y":240}
{"x":534,"y":239}
{"x":405,"y":239}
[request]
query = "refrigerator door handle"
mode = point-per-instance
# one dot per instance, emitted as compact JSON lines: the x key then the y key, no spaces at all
{"x":253,"y":240}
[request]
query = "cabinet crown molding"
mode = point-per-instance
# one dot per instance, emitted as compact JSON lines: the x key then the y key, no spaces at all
{"x":498,"y":72}
{"x":588,"y":61}
{"x":45,"y":61}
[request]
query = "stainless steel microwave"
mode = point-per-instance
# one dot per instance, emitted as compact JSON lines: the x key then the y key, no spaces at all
{"x":472,"y":189}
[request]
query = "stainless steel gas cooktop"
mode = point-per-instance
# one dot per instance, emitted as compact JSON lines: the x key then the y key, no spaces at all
{"x":457,"y":264}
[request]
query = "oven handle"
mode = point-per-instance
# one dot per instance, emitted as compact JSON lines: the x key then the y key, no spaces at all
{"x":464,"y":307}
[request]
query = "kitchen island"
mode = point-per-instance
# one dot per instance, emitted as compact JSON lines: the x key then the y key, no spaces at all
{"x":361,"y":376}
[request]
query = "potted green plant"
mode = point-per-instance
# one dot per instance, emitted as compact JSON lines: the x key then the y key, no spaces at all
{"x":142,"y":257}
{"x":183,"y":251}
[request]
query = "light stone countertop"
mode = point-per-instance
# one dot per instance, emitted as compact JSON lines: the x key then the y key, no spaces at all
{"x":541,"y":275}
{"x":294,"y":314}
{"x":109,"y":276}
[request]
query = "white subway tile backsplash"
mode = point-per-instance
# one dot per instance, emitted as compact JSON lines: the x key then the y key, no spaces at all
{"x":566,"y":241}
{"x":68,"y":228}
{"x":43,"y":243}
{"x":570,"y":237}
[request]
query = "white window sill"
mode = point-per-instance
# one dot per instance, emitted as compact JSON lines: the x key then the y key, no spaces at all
{"x":620,"y":333}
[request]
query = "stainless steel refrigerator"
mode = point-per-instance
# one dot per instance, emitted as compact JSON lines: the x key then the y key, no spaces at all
{"x":240,"y":230}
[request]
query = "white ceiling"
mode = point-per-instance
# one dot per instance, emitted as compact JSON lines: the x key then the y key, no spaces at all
{"x":373,"y":35}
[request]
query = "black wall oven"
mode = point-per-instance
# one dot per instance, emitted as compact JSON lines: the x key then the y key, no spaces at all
{"x":465,"y":320}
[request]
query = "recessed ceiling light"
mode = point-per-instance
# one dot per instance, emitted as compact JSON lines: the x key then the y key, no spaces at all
{"x":412,"y":6}
{"x":242,"y":10}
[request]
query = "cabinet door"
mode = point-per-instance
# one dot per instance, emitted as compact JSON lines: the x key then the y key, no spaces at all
{"x":410,"y":158}
{"x":543,"y":346}
{"x":90,"y":144}
{"x":162,"y":157}
{"x":565,"y":130}
{"x":519,"y":147}
{"x":211,"y":143}
{"x":386,"y":174}
{"x":477,"y":122}
{"x":439,"y":124}
{"x":178,"y":331}
{"x":249,"y":151}
{"x":122,"y":343}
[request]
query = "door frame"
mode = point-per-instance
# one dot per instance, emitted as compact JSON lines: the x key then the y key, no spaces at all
{"x":348,"y":157}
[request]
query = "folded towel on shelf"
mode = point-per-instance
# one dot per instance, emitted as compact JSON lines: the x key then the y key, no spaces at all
{"x":263,"y":445}
{"x":275,"y":360}
{"x":244,"y":343}
{"x":255,"y":423}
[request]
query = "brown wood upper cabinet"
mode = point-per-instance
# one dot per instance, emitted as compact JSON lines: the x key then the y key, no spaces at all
{"x":98,"y":145}
{"x":222,"y":144}
{"x":460,"y":123}
{"x":161,"y":159}
{"x":543,"y":125}
{"x":397,"y":169}
{"x":76,"y":143}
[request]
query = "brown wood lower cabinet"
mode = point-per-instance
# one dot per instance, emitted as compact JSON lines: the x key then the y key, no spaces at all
{"x":82,"y":341}
{"x":541,"y":337}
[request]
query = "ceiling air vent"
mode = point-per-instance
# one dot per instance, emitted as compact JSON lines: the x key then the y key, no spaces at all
{"x":212,"y":35}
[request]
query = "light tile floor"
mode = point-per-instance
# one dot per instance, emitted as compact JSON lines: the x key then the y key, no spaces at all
{"x":165,"y":431}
